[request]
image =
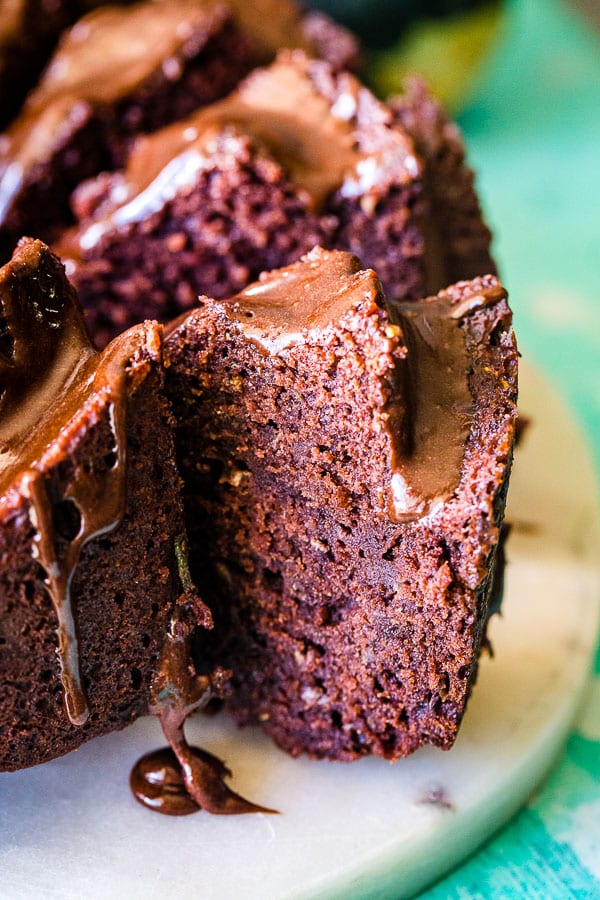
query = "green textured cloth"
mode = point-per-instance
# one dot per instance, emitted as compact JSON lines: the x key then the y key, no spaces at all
{"x":533,"y":133}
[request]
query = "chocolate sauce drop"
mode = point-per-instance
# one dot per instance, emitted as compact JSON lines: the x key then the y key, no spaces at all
{"x":160,"y":779}
{"x":157,"y":782}
{"x":100,"y":499}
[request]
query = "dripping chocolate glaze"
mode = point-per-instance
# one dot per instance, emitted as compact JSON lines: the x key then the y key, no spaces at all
{"x":437,"y":394}
{"x":431,"y":407}
{"x":281,"y":109}
{"x":48,"y":371}
{"x":181,"y":779}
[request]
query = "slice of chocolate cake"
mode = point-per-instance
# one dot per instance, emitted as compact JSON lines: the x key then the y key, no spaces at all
{"x":346,"y":468}
{"x":90,"y":512}
{"x":119,"y":71}
{"x":297,"y":155}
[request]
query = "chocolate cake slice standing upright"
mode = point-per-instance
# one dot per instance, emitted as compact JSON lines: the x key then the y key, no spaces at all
{"x":345,"y":470}
{"x":90,"y":514}
{"x":297,"y":155}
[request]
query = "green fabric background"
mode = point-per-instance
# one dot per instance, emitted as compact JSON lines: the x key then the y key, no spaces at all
{"x":533,"y":133}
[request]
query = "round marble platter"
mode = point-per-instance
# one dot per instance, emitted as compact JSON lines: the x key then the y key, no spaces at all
{"x":70,"y":828}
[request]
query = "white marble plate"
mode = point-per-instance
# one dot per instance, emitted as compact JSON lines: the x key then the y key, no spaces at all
{"x":70,"y":828}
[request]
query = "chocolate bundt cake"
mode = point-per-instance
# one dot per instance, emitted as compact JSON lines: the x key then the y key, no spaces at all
{"x":344,"y":444}
{"x":297,"y":155}
{"x":345,"y":467}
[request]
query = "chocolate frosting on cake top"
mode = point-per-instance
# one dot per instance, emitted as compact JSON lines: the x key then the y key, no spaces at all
{"x":280,"y":108}
{"x":430,"y":407}
{"x":48,"y":366}
{"x":113,"y":49}
{"x":293,"y":304}
{"x":283,"y":109}
{"x":44,"y":349}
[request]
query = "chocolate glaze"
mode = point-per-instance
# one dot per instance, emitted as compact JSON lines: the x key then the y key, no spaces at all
{"x":282,"y":109}
{"x":429,"y":413}
{"x":296,"y":303}
{"x":438,"y":396}
{"x":48,"y":372}
{"x":112,"y":50}
{"x":157,"y":782}
{"x":176,"y":693}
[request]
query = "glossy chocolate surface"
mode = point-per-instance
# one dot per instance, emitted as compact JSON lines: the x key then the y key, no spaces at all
{"x":177,"y":692}
{"x":113,"y":49}
{"x":296,"y":303}
{"x":430,"y":407}
{"x":49,"y":372}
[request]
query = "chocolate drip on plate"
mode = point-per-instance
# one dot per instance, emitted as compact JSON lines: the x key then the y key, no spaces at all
{"x":157,"y":781}
{"x":184,"y":779}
